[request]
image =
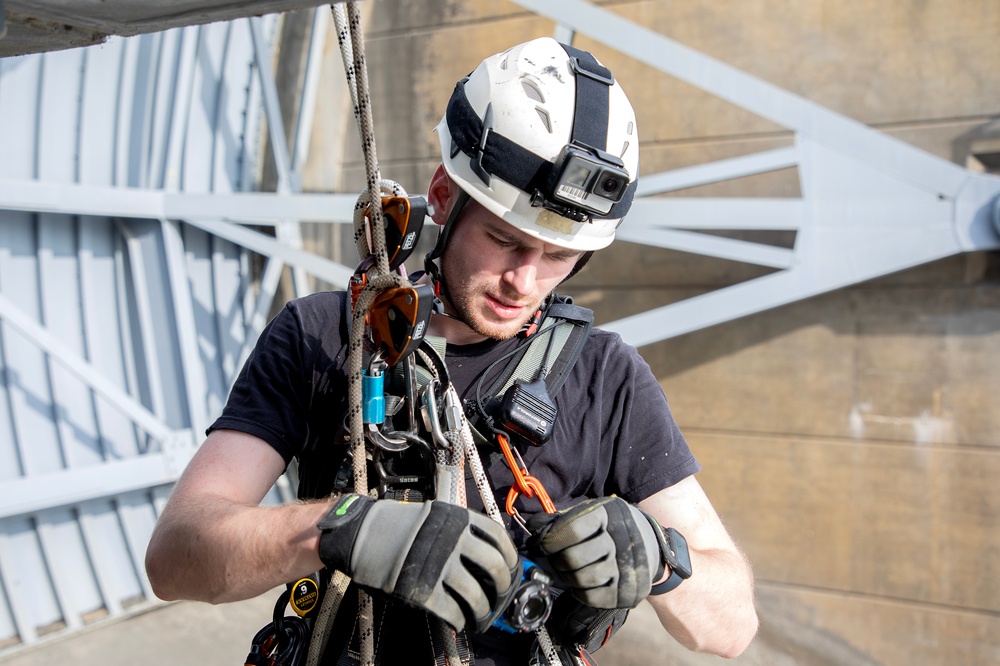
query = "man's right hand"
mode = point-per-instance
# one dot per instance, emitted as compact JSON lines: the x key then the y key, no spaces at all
{"x":450,"y":561}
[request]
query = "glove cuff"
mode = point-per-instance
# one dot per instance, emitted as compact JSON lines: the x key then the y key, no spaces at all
{"x":339,"y":530}
{"x":661,"y":542}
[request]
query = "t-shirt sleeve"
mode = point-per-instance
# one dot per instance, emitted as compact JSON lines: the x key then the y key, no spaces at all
{"x":271,"y":394}
{"x":650,"y":452}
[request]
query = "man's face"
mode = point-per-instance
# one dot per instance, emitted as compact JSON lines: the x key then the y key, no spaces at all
{"x":498,"y":275}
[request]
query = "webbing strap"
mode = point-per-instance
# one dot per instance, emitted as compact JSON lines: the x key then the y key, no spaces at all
{"x":573,"y":323}
{"x":593,"y":83}
{"x":514,"y":164}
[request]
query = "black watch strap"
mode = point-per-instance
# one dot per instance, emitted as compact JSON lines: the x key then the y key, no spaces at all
{"x":672,"y":581}
{"x":674,"y":551}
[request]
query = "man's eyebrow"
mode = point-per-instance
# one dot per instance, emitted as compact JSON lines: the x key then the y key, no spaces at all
{"x":506,"y":236}
{"x":496,"y":230}
{"x":564,"y":253}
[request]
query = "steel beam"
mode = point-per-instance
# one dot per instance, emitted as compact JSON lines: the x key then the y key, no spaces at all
{"x":705,"y":213}
{"x":260,"y":208}
{"x":759,"y":254}
{"x":30,"y":494}
{"x":83,"y":370}
{"x":714,"y":172}
{"x":871,"y":204}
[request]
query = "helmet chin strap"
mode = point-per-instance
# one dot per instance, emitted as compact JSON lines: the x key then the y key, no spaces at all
{"x":437,"y":278}
{"x":580,"y":263}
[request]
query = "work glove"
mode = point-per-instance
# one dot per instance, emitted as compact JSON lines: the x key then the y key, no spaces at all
{"x":604,"y":551}
{"x":442,"y":558}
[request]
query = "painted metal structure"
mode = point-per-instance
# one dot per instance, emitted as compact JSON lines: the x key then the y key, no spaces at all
{"x":871,"y":205}
{"x":36,"y":26}
{"x":126,"y":298}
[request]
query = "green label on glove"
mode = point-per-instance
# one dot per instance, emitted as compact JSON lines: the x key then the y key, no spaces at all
{"x":344,"y":510}
{"x":344,"y":504}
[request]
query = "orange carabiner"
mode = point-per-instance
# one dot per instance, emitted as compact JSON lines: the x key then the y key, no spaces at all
{"x":519,"y":471}
{"x":524,"y":483}
{"x":512,"y":511}
{"x":543,"y":497}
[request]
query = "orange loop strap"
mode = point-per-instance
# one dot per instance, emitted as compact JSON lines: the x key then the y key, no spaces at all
{"x":524,"y":483}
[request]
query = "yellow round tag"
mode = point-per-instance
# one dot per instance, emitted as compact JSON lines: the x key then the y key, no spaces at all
{"x":305,"y":596}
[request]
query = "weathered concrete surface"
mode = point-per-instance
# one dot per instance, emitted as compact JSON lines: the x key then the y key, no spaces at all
{"x":851,"y":442}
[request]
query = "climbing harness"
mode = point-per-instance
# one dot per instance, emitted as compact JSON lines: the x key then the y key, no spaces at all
{"x":417,"y":436}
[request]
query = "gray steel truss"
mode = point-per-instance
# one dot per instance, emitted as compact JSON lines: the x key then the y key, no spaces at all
{"x":871,"y":205}
{"x":127,"y":303}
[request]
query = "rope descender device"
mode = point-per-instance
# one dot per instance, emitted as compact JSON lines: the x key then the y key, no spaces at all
{"x":402,"y":221}
{"x":398,"y":318}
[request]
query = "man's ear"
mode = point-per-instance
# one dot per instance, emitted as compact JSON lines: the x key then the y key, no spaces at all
{"x":440,"y":194}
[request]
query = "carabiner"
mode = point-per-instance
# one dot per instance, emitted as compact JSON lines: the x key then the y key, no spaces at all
{"x":524,"y":483}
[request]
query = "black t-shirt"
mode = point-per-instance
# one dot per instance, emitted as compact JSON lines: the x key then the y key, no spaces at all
{"x":614,"y":433}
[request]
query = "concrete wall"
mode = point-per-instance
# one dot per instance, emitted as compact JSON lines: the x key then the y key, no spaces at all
{"x":851,"y":442}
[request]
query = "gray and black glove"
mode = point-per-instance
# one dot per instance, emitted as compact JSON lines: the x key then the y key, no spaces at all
{"x":603,"y":550}
{"x":445,"y":559}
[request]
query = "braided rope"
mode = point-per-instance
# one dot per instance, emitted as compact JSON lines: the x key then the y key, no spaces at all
{"x":335,"y":592}
{"x":381,"y":280}
{"x":363,"y":114}
{"x":370,"y":239}
{"x":548,"y":648}
{"x":465,"y":441}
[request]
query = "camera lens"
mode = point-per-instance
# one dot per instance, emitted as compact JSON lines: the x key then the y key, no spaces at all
{"x":530,"y":606}
{"x":610,"y":184}
{"x":535,"y":609}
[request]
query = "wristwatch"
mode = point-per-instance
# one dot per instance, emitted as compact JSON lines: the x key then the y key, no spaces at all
{"x":674,"y":551}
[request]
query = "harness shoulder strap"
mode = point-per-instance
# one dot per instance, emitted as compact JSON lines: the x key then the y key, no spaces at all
{"x":553,"y":352}
{"x":555,"y":349}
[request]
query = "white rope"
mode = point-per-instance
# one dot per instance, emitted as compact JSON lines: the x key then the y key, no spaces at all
{"x":369,"y":237}
{"x":493,"y":511}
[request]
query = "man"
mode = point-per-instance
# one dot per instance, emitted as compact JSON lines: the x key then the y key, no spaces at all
{"x":539,"y":160}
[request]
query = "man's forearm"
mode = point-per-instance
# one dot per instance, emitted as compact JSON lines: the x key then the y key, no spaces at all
{"x":713,"y":611}
{"x":219,"y":551}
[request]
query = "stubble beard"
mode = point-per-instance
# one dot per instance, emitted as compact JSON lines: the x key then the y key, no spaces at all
{"x":465,"y":302}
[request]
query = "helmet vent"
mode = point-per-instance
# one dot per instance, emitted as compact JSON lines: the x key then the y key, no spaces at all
{"x":629,"y":129}
{"x":543,"y":114}
{"x":503,"y":63}
{"x":624,"y":149}
{"x":531,"y":91}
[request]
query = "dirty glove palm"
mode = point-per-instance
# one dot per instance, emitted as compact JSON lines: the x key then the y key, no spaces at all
{"x":443,"y":558}
{"x":604,"y":550}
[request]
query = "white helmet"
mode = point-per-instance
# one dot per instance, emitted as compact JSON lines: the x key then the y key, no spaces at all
{"x":543,"y":137}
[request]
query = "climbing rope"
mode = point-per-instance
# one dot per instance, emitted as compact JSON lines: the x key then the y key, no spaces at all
{"x":350,"y":37}
{"x":369,"y":237}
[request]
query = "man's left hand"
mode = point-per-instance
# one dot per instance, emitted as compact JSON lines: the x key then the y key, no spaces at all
{"x":603,"y":550}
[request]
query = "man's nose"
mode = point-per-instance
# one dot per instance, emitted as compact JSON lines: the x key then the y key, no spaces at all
{"x":521,"y":278}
